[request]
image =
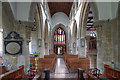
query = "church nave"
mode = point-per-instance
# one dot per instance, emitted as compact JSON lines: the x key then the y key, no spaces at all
{"x":63,"y":38}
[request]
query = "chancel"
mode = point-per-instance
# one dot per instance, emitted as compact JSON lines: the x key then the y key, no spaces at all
{"x":59,"y":40}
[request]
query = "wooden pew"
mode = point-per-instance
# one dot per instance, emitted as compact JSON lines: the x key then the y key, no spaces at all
{"x":47,"y":62}
{"x":2,"y":69}
{"x":111,"y":73}
{"x":67,"y":56}
{"x":16,"y":74}
{"x":74,"y":62}
{"x":0,"y":60}
{"x":50,"y":56}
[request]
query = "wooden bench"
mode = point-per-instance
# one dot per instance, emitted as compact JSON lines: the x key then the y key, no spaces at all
{"x":0,"y":60}
{"x":50,"y":56}
{"x":66,"y":56}
{"x":47,"y":62}
{"x":111,"y":73}
{"x":2,"y":69}
{"x":74,"y":62}
{"x":16,"y":74}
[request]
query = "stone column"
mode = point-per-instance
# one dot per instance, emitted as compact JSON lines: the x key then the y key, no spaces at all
{"x":99,"y":47}
{"x":41,"y":48}
{"x":12,"y":62}
{"x":27,"y":57}
{"x":24,"y":28}
{"x":34,"y":41}
{"x":104,"y":44}
{"x":1,"y":42}
{"x":82,"y":53}
{"x":92,"y":54}
{"x":115,"y":44}
{"x":118,"y":30}
{"x":46,"y":48}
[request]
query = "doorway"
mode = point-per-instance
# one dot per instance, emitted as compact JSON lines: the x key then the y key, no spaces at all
{"x":59,"y":50}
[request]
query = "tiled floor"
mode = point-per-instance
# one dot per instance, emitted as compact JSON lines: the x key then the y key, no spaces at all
{"x":61,"y":70}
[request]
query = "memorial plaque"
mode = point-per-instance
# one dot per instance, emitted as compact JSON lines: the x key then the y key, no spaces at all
{"x":13,"y":47}
{"x":13,"y":43}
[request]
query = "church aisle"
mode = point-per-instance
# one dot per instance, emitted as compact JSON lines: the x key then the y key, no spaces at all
{"x":61,"y":70}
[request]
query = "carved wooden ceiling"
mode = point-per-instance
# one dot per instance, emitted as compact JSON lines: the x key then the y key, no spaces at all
{"x":60,"y":7}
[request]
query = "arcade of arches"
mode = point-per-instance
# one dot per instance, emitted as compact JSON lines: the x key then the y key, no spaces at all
{"x":79,"y":34}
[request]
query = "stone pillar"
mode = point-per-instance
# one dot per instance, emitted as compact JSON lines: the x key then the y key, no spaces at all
{"x":50,"y":40}
{"x":92,"y":54}
{"x":74,"y":47}
{"x":46,"y":48}
{"x":87,"y":42}
{"x":34,"y":43}
{"x":99,"y":47}
{"x":74,"y":43}
{"x":118,"y":30}
{"x":82,"y":53}
{"x":41,"y":48}
{"x":93,"y":58}
{"x":12,"y":62}
{"x":1,"y":42}
{"x":104,"y":44}
{"x":115,"y":44}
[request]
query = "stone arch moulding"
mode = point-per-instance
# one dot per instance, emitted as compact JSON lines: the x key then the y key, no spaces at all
{"x":66,"y":31}
{"x":31,"y":15}
{"x":74,"y":31}
{"x":74,"y":37}
{"x":46,"y":31}
{"x":32,"y":10}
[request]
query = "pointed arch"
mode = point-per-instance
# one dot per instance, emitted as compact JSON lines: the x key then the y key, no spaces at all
{"x":84,"y":15}
{"x":66,"y":34}
{"x":33,"y":7}
{"x":74,"y":37}
{"x":74,"y":32}
{"x":46,"y":32}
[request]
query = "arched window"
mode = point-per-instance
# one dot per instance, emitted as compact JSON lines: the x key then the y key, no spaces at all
{"x":59,"y":36}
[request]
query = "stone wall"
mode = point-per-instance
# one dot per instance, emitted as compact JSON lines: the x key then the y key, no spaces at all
{"x":107,"y":44}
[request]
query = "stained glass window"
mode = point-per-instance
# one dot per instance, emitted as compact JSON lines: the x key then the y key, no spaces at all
{"x":59,"y":36}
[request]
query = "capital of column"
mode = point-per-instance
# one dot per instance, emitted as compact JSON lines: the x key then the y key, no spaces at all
{"x":25,"y":23}
{"x":101,"y":23}
{"x":97,"y":24}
